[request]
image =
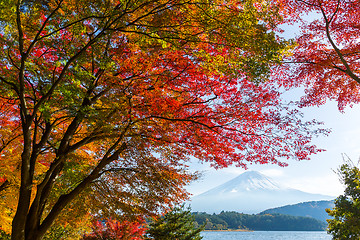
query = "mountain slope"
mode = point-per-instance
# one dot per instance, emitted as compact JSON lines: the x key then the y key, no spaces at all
{"x":314,"y":209}
{"x":250,"y":192}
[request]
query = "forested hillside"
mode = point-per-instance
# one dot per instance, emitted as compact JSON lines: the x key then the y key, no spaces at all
{"x":259,"y":222}
{"x":314,"y":209}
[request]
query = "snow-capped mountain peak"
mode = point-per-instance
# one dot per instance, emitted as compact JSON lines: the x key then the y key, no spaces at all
{"x":253,"y":181}
{"x":248,"y":181}
{"x":250,"y":192}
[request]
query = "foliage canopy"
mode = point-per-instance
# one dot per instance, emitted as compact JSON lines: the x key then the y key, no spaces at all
{"x":102,"y":103}
{"x":325,"y":60}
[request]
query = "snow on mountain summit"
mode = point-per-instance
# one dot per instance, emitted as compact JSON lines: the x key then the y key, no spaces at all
{"x":251,"y":181}
{"x":248,"y":181}
{"x":250,"y":192}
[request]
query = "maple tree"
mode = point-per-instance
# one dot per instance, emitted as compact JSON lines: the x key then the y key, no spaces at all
{"x":325,"y":60}
{"x":117,"y":230}
{"x":105,"y":101}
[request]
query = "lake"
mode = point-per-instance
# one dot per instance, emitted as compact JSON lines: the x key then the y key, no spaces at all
{"x":263,"y":235}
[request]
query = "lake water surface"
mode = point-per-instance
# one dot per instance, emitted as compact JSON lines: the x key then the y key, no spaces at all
{"x":263,"y":235}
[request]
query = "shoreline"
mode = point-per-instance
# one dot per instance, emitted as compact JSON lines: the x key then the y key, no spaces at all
{"x":245,"y":230}
{"x":229,"y":230}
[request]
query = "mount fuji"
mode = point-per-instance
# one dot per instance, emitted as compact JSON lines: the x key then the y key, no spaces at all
{"x":250,"y":192}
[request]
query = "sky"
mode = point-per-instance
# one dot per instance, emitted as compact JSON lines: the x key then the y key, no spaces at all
{"x":316,"y":175}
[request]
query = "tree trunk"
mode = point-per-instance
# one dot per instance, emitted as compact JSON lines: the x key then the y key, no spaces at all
{"x":19,"y":221}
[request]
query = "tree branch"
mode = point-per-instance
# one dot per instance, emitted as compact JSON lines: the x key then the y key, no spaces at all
{"x":4,"y":185}
{"x":348,"y":71}
{"x":67,"y":198}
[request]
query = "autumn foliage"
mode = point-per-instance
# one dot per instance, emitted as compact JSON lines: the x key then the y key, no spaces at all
{"x":326,"y":58}
{"x":103,"y":103}
{"x":117,"y":230}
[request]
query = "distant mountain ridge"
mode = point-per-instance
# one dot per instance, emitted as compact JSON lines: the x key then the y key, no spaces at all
{"x":250,"y":192}
{"x":314,"y":209}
